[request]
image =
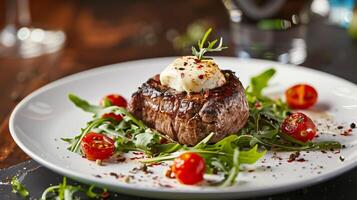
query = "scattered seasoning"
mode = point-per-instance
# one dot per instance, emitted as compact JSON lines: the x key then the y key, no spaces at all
{"x":293,"y":156}
{"x":115,"y":175}
{"x":197,"y":60}
{"x":165,"y":185}
{"x":182,"y":75}
{"x":301,"y":160}
{"x":120,"y":159}
{"x":343,"y":146}
{"x":98,"y":176}
{"x":200,"y":76}
{"x":251,"y":170}
{"x":323,"y":151}
{"x":339,"y":127}
{"x":181,"y":68}
{"x":98,"y":162}
{"x":185,"y":63}
{"x":128,"y":178}
{"x":199,"y":66}
{"x":105,"y":195}
{"x":342,"y":158}
{"x":353,"y":125}
{"x":169,"y":174}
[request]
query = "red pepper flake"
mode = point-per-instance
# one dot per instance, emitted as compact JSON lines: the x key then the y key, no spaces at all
{"x":199,"y":66}
{"x":185,"y":63}
{"x":136,"y":158}
{"x":197,"y":60}
{"x":258,"y":105}
{"x":105,"y":195}
{"x":200,"y":76}
{"x":293,"y":156}
{"x":301,"y":160}
{"x":337,"y":152}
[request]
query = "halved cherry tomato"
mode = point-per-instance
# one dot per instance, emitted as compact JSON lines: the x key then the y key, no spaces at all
{"x":301,"y":96}
{"x":189,"y":168}
{"x":97,"y":146}
{"x":117,"y":118}
{"x":298,"y":128}
{"x":114,"y":100}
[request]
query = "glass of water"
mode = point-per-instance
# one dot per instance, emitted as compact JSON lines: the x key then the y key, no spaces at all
{"x":269,"y":29}
{"x":19,"y":39}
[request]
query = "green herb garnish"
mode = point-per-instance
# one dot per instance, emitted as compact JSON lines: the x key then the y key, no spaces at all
{"x":210,"y":47}
{"x":18,"y":188}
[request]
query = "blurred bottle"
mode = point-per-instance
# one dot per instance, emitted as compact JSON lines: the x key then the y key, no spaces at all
{"x":270,"y":29}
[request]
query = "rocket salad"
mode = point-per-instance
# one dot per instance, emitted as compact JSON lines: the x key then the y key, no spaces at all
{"x":271,"y":126}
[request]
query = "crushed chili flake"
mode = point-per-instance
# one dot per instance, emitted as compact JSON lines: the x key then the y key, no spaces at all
{"x":293,"y":156}
{"x":301,"y":160}
{"x":199,"y":66}
{"x":105,"y":195}
{"x":185,"y":63}
{"x":200,"y":76}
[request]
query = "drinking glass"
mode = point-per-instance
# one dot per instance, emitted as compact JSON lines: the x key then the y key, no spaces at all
{"x":19,"y":39}
{"x":269,"y":29}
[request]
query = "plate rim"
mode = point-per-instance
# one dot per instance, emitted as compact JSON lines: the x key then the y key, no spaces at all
{"x":131,"y":188}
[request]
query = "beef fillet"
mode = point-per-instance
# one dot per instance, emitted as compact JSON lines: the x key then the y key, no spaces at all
{"x":188,"y":118}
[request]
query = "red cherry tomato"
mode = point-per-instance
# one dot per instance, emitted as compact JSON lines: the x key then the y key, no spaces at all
{"x":117,"y":118}
{"x":114,"y":100}
{"x":97,"y":146}
{"x":298,"y":128}
{"x":189,"y":168}
{"x":301,"y":96}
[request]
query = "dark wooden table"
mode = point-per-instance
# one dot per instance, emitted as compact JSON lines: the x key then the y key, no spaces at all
{"x":106,"y":32}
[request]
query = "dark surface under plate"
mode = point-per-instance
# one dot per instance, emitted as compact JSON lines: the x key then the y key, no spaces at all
{"x":37,"y":178}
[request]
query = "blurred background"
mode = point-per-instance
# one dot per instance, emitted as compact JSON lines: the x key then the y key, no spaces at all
{"x":44,"y":40}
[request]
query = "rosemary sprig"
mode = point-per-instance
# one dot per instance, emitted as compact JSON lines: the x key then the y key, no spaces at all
{"x":210,"y":48}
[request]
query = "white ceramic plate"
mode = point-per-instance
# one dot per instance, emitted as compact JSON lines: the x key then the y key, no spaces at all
{"x":45,"y":116}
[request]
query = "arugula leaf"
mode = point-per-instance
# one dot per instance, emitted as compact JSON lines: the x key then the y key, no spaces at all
{"x":145,"y":140}
{"x":63,"y":191}
{"x":84,"y":105}
{"x":18,"y":188}
{"x":259,"y":82}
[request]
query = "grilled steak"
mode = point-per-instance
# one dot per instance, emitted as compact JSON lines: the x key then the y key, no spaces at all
{"x":188,"y":118}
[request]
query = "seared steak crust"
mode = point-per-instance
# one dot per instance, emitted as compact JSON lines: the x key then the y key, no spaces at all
{"x":188,"y":118}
